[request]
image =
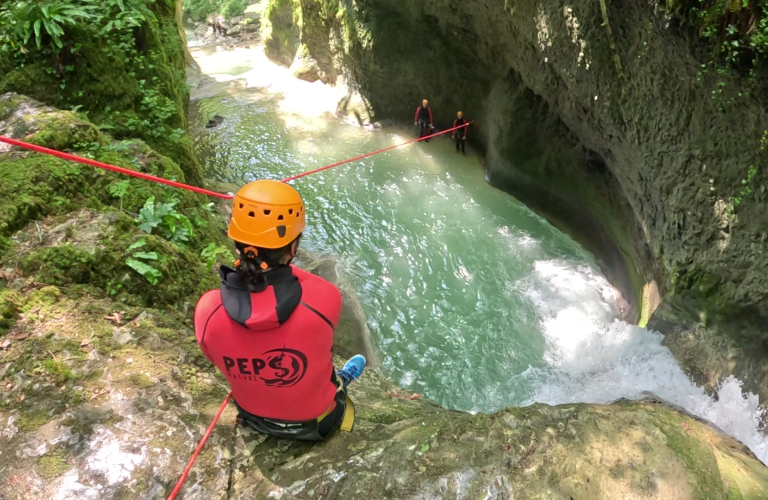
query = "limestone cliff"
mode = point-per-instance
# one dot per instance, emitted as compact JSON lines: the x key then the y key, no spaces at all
{"x":604,"y":120}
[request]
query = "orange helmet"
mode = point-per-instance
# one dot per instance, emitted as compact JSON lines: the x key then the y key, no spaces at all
{"x":267,"y":214}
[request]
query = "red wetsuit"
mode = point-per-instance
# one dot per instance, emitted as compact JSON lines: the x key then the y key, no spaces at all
{"x":273,"y":346}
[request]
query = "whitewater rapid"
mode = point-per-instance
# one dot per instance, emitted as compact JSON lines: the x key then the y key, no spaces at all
{"x":594,"y":358}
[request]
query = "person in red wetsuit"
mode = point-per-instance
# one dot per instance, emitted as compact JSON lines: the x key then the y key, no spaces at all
{"x":460,"y":135}
{"x":269,"y":327}
{"x":423,"y":119}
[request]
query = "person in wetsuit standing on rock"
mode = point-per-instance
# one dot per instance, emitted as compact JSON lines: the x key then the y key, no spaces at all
{"x":460,"y":135}
{"x":269,"y":327}
{"x":423,"y":119}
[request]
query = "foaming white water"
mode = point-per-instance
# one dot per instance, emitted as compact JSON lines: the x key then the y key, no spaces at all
{"x":594,"y":358}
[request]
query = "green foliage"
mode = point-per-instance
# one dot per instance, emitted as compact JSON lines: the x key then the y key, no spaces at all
{"x":746,"y":189}
{"x":45,"y":19}
{"x":746,"y":183}
{"x":233,"y":8}
{"x":50,"y":20}
{"x":137,"y":262}
{"x":59,"y":370}
{"x":212,"y":251}
{"x":172,"y":224}
{"x":199,"y":10}
{"x":737,"y":30}
{"x":119,"y":190}
{"x":123,"y":66}
{"x":150,"y":273}
{"x":128,"y":14}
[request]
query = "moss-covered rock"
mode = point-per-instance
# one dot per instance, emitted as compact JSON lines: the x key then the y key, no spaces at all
{"x":130,"y":81}
{"x":9,"y":309}
{"x":280,"y":31}
{"x":94,"y":252}
{"x":82,"y":238}
{"x":411,"y":449}
{"x":74,"y":392}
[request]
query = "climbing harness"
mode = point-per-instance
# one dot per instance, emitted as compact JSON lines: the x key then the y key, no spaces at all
{"x":349,"y":413}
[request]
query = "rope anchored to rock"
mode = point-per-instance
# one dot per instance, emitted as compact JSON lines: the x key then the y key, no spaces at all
{"x":199,"y":448}
{"x":106,"y":166}
{"x":195,"y":189}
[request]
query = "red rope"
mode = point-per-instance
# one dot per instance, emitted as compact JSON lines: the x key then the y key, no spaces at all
{"x":113,"y":168}
{"x":140,"y":175}
{"x":199,"y":448}
{"x":366,"y":155}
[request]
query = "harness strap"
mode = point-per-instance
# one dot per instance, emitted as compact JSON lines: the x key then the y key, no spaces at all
{"x":348,"y":422}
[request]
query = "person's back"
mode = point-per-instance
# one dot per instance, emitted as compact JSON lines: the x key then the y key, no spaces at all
{"x":269,"y":328}
{"x":277,"y":369}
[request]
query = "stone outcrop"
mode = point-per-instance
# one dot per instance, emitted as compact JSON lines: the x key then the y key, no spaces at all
{"x":603,"y":120}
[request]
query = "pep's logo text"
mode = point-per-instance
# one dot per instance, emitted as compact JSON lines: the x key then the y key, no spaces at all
{"x":278,"y":367}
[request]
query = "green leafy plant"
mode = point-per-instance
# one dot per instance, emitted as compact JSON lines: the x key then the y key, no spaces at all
{"x":234,"y":8}
{"x":746,"y":183}
{"x":119,"y":190}
{"x":164,"y":217}
{"x":59,"y":370}
{"x":42,"y":18}
{"x":127,"y":15}
{"x":212,"y":251}
{"x":138,"y":262}
{"x":737,"y":30}
{"x":746,"y":189}
{"x":200,"y":9}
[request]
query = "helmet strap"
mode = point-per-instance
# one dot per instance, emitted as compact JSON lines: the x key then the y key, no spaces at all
{"x":253,"y":254}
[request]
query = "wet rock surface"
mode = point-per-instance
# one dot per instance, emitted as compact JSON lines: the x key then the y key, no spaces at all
{"x":104,"y":401}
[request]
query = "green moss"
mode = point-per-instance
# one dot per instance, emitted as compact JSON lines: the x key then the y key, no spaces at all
{"x":10,"y":305}
{"x":388,"y":414}
{"x":141,"y":381}
{"x":59,"y":370}
{"x":280,"y":29}
{"x":48,"y":295}
{"x":36,"y":186}
{"x":31,"y":420}
{"x":54,"y":463}
{"x":184,"y":274}
{"x":59,"y":265}
{"x":704,"y":474}
{"x":129,"y":81}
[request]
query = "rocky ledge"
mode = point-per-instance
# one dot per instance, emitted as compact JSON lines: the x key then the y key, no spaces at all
{"x":104,"y":394}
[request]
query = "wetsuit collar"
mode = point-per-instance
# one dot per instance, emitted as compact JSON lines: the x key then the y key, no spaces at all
{"x":236,"y":297}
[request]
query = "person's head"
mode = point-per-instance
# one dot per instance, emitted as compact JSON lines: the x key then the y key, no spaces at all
{"x":459,"y":115}
{"x":425,"y":103}
{"x":267,"y":222}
